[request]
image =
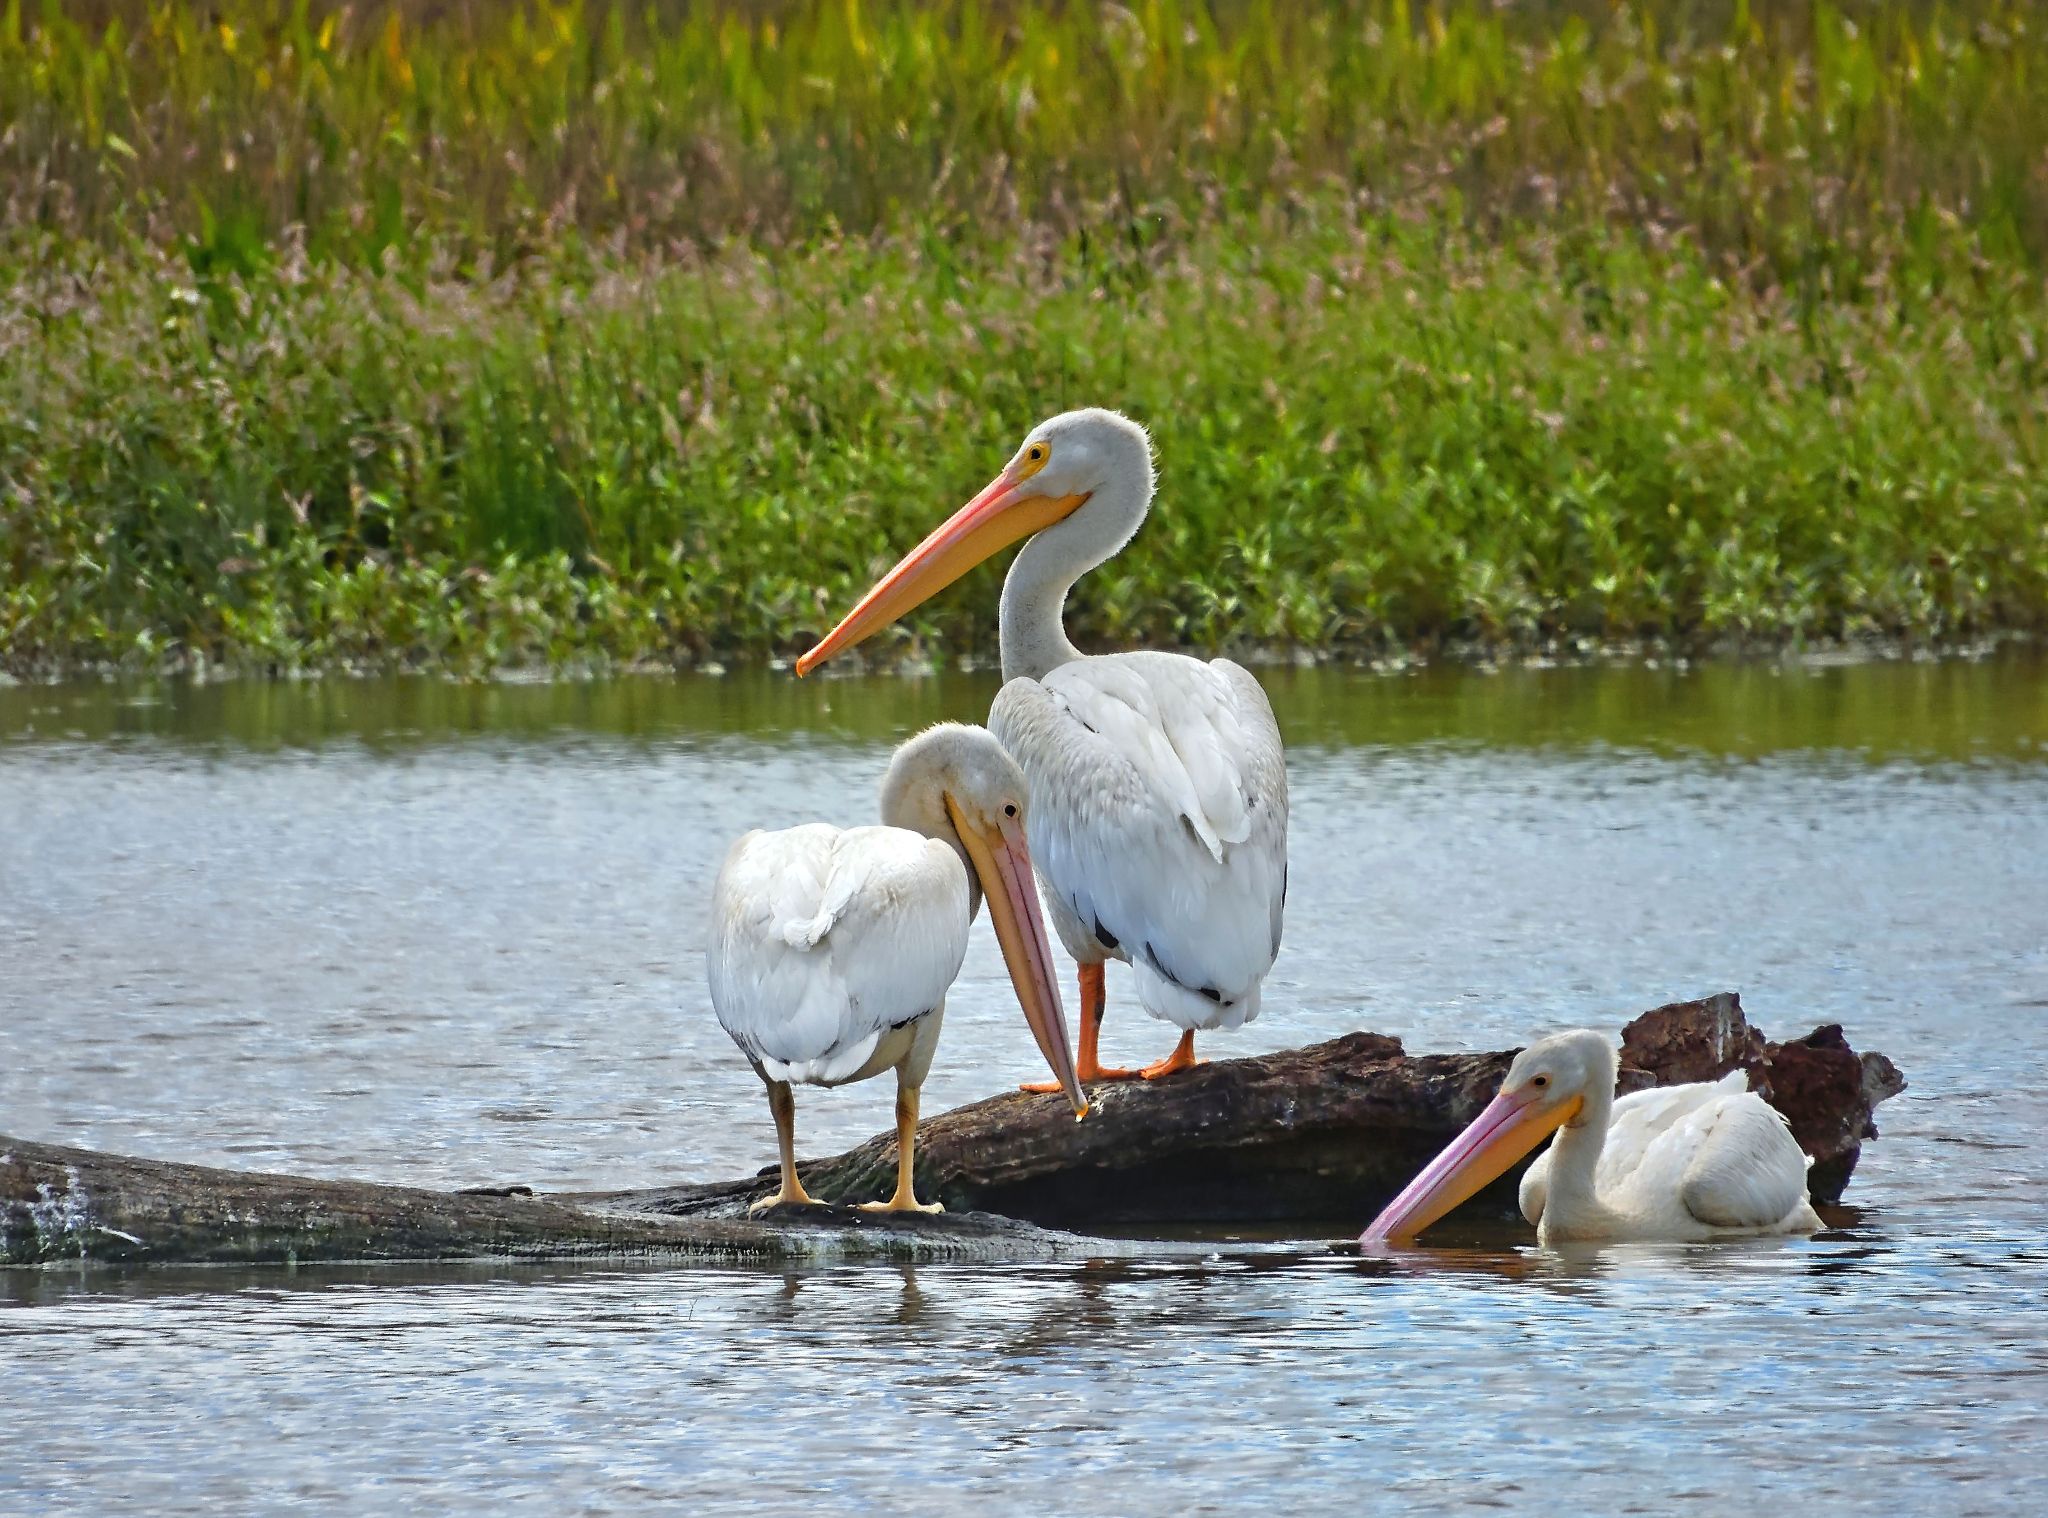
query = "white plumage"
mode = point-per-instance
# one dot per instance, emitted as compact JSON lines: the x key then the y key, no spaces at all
{"x":826,"y":939}
{"x":1705,"y":1160}
{"x":1709,"y":1160}
{"x":1158,"y":783}
{"x":1158,"y":822}
{"x":832,"y":948}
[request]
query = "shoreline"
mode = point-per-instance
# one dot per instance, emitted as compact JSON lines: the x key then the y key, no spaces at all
{"x":1475,"y":656}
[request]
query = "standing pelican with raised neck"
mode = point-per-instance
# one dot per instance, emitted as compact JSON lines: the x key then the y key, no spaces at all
{"x":1158,"y":783}
{"x":832,"y":949}
{"x":1706,"y":1160}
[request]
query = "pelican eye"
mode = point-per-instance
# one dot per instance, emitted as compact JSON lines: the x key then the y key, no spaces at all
{"x":1540,"y":1082}
{"x":1034,"y":459}
{"x":1010,"y":809}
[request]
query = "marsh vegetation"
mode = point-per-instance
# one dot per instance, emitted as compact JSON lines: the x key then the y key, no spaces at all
{"x":464,"y":335}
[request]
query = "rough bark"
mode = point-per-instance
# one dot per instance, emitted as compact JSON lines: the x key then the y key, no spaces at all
{"x":74,"y":1204}
{"x":1315,"y":1138}
{"x":1324,"y":1135}
{"x":1827,"y":1091}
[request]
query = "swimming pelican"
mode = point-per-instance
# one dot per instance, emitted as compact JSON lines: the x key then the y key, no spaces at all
{"x":832,"y":949}
{"x":1158,"y":785}
{"x":1709,"y":1160}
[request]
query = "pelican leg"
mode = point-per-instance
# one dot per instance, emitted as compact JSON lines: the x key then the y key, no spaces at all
{"x":905,"y":1199}
{"x":1089,"y":1066}
{"x":1182,"y":1058}
{"x":782,"y":1102}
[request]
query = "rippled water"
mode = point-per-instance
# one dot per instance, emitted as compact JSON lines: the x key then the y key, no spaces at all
{"x":451,"y":934}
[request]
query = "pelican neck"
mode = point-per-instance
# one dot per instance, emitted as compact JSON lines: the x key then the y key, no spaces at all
{"x":1575,"y":1159}
{"x":1032,"y":623}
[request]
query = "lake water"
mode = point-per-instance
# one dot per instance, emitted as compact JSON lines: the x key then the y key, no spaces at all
{"x":453,"y":934}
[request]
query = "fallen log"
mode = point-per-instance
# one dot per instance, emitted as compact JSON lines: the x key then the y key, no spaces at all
{"x":1320,"y":1136}
{"x":1324,"y":1135}
{"x":59,"y":1204}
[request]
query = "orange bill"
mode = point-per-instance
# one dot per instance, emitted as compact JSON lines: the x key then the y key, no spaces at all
{"x":1508,"y":1129}
{"x":985,"y":526}
{"x":1003,"y":862}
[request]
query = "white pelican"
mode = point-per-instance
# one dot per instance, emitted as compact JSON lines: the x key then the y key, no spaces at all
{"x":832,"y":949}
{"x":1158,"y":785}
{"x":1710,"y":1160}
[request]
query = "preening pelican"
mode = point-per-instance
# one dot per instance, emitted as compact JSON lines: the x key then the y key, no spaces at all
{"x":832,"y":949}
{"x":1158,"y":785}
{"x":1710,"y":1160}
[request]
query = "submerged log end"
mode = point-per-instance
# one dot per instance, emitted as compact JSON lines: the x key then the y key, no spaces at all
{"x":59,"y":1204}
{"x":1827,"y":1091}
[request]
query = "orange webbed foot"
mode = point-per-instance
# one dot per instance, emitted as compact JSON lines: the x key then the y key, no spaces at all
{"x":1089,"y":1074}
{"x":1182,"y":1058}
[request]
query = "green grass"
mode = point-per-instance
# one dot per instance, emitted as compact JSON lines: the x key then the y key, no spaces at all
{"x":475,"y":337}
{"x":1795,"y":132}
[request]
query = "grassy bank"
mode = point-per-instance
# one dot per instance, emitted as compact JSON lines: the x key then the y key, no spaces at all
{"x":1729,"y":331}
{"x":1810,"y":135}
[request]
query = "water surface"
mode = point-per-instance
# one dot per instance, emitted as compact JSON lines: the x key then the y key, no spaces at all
{"x":448,"y":934}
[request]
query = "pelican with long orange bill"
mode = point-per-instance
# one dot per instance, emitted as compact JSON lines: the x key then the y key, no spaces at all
{"x":1158,"y":781}
{"x":832,"y":949}
{"x":1705,"y":1160}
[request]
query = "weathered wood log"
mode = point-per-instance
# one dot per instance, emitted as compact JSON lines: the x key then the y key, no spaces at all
{"x":1314,"y":1138}
{"x":1827,"y":1091}
{"x":1318,"y":1136}
{"x":75,"y":1204}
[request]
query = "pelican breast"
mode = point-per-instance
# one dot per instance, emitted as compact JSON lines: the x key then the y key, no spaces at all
{"x":1158,"y":822}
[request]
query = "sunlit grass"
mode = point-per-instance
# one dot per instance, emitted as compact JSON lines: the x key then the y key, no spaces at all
{"x":464,"y":334}
{"x":1367,"y":433}
{"x":1799,"y":133}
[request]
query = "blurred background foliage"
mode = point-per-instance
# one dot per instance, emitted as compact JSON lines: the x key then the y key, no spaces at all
{"x":458,"y":333}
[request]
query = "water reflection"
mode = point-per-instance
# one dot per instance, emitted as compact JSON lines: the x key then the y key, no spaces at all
{"x":1617,"y":1369}
{"x":1994,"y":708}
{"x":1851,"y":1237}
{"x":451,"y":934}
{"x":61,"y":1282}
{"x":907,"y":1311}
{"x":1080,"y":1300}
{"x":478,"y":960}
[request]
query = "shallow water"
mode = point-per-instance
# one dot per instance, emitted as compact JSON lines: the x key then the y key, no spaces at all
{"x":453,"y":934}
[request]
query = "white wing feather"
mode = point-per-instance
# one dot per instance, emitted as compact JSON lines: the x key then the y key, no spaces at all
{"x":1639,"y":1120}
{"x":1159,"y":822}
{"x":1746,"y":1170}
{"x":1708,"y":1157}
{"x":823,"y":939}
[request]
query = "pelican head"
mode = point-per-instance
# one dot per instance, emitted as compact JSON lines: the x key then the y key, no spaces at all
{"x":1092,"y":466}
{"x":955,"y":783}
{"x":1549,"y":1085}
